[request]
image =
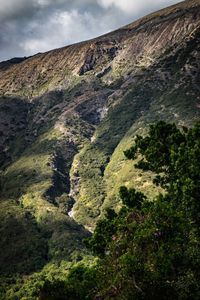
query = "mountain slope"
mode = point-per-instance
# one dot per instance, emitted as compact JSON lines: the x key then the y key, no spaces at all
{"x":67,"y":115}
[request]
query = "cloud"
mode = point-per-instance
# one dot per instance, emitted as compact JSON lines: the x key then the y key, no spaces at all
{"x":31,"y":26}
{"x":64,"y":27}
{"x":11,"y":9}
{"x":136,"y":6}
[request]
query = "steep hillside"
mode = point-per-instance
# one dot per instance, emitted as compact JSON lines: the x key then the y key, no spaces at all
{"x":67,"y":115}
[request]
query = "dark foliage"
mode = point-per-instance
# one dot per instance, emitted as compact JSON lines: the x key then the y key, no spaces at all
{"x":150,"y":249}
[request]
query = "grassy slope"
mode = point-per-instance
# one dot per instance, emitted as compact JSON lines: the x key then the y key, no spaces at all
{"x":95,"y":156}
{"x":102,"y":166}
{"x":50,"y":237}
{"x":41,"y":232}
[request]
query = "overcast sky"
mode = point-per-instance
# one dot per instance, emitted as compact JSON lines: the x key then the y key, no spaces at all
{"x":31,"y":26}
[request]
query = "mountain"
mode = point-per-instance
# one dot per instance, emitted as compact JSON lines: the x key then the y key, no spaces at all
{"x":67,"y":115}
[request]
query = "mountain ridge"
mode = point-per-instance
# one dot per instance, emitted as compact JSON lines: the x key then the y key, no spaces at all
{"x":67,"y":115}
{"x":182,"y":4}
{"x":81,"y":48}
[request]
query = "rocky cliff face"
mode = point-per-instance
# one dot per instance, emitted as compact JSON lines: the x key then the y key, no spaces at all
{"x":67,"y":115}
{"x":133,"y":46}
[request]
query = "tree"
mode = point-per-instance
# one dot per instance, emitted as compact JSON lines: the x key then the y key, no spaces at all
{"x":149,"y":249}
{"x":153,"y":252}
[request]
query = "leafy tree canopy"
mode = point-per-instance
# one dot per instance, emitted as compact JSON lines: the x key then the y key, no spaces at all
{"x":150,"y":249}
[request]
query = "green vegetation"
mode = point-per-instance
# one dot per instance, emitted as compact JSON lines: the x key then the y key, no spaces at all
{"x":29,"y":287}
{"x":64,"y":145}
{"x":149,"y":249}
{"x":22,"y":238}
{"x":102,"y":167}
{"x":94,"y":157}
{"x":36,"y":234}
{"x":162,"y":91}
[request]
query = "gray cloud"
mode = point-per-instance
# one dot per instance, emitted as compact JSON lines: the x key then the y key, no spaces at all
{"x":31,"y":26}
{"x":136,"y":6}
